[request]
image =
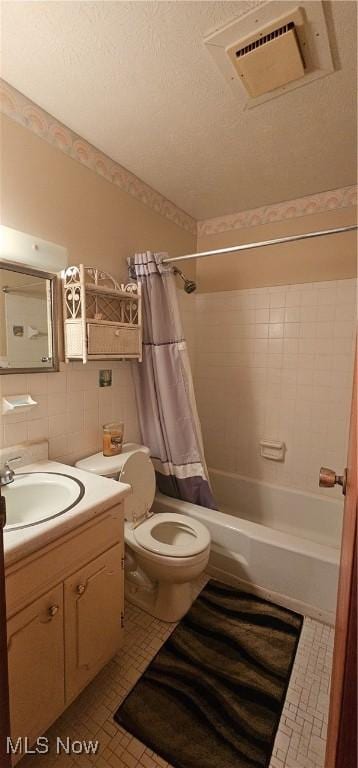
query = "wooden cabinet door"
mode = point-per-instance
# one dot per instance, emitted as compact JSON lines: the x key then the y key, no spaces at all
{"x":93,"y":618}
{"x":36,"y":665}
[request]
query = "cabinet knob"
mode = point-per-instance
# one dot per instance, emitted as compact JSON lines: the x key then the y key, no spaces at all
{"x":53,"y":609}
{"x":80,"y":589}
{"x":117,"y":332}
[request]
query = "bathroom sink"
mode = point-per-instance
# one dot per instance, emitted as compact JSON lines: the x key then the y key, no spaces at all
{"x":34,"y":497}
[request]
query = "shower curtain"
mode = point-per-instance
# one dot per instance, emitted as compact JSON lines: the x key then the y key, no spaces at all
{"x":165,"y":397}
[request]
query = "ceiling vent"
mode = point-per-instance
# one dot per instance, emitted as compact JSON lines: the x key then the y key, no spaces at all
{"x":273,"y":49}
{"x":270,"y":61}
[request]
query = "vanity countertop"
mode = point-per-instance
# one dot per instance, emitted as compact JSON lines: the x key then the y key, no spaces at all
{"x":100,"y":495}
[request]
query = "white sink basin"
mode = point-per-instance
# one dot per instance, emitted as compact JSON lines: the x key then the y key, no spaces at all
{"x":38,"y":496}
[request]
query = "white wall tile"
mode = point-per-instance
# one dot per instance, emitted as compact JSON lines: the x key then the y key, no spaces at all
{"x":346,"y":311}
{"x":292,"y":330}
{"x":281,"y":383}
{"x":74,"y":401}
{"x":276,"y":330}
{"x":15,"y":433}
{"x":262,"y":315}
{"x":325,"y":330}
{"x":38,"y":429}
{"x":56,"y":404}
{"x":278,"y":299}
{"x":277,"y":315}
{"x":37,"y":383}
{"x":292,"y":314}
{"x":73,"y":422}
{"x":56,"y":382}
{"x":261,"y":331}
{"x":262,"y":299}
{"x":57,"y":425}
{"x":91,"y":400}
{"x":343,"y":330}
{"x":309,"y":297}
{"x":58,"y":446}
{"x":293,"y":299}
{"x":14,"y":384}
{"x":327,"y":296}
{"x":71,"y":417}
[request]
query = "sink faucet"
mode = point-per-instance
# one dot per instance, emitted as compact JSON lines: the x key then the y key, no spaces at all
{"x":6,"y":473}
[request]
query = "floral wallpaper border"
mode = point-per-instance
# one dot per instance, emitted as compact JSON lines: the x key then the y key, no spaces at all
{"x":25,"y":112}
{"x":28,"y":114}
{"x":346,"y":197}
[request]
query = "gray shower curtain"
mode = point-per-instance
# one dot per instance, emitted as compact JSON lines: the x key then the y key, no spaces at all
{"x":165,"y":397}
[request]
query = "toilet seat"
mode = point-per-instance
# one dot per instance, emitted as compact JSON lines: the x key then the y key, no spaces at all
{"x":172,"y":535}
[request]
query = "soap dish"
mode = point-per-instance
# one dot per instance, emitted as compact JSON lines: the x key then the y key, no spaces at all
{"x":10,"y":403}
{"x":273,"y":449}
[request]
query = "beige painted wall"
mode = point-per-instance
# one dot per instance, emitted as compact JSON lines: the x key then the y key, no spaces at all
{"x":51,"y":196}
{"x":47,"y":194}
{"x":324,"y":258}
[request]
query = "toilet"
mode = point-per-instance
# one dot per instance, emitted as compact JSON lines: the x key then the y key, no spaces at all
{"x":164,"y":552}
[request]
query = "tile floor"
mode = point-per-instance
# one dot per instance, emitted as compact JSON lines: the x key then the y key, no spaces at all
{"x":300,"y":740}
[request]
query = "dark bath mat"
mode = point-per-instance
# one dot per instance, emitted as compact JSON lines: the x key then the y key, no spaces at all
{"x":213,"y":695}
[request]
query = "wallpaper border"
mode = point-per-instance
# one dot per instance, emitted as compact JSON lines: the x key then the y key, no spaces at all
{"x":28,"y":114}
{"x":345,"y":197}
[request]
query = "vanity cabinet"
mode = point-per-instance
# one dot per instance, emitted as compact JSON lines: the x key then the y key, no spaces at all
{"x":59,"y":641}
{"x":93,"y":604}
{"x":36,"y":665}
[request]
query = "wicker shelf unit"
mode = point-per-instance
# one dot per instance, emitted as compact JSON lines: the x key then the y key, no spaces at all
{"x":102,"y":318}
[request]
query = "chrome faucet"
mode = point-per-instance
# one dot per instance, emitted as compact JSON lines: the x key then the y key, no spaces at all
{"x":6,"y":473}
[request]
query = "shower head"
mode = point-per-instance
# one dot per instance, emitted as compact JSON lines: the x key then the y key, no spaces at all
{"x":189,"y":285}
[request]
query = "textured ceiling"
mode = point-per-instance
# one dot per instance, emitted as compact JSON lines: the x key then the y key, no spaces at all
{"x":135,"y":79}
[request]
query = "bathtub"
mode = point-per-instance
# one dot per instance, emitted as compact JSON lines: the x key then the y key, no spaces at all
{"x":283,"y":544}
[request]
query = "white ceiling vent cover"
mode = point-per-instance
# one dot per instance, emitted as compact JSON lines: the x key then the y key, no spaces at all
{"x":273,"y":49}
{"x":272,"y":60}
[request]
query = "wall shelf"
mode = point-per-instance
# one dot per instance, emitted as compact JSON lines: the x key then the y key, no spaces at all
{"x":102,"y":318}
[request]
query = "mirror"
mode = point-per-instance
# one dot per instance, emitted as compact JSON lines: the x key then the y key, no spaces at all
{"x":27,"y":320}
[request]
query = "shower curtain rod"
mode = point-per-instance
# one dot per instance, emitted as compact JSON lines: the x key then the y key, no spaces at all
{"x":262,"y":243}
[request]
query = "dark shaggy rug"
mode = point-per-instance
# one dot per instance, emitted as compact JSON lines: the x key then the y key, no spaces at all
{"x":213,"y":695}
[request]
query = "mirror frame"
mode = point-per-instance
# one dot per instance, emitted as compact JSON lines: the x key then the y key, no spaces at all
{"x":15,"y":267}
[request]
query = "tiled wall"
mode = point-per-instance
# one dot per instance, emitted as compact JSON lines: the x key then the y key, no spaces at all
{"x":274,"y":363}
{"x":71,"y":408}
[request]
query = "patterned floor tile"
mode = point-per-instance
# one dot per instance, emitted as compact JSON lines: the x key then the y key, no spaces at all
{"x":301,"y":736}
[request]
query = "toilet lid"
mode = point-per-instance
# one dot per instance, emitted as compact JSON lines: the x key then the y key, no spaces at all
{"x":138,"y":472}
{"x":134,"y":467}
{"x":108,"y":466}
{"x":172,"y":535}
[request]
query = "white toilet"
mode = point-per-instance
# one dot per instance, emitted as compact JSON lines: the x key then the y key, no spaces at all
{"x":164,"y":553}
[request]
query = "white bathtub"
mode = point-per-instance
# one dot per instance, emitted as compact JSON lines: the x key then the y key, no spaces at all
{"x":278,"y":542}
